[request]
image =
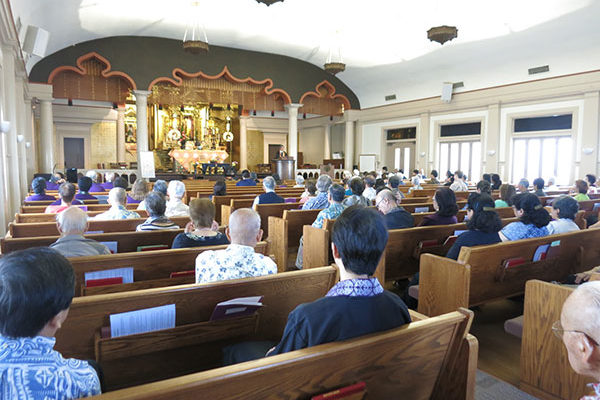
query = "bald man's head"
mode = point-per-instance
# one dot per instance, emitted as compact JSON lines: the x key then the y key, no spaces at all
{"x":244,"y":227}
{"x":580,"y":320}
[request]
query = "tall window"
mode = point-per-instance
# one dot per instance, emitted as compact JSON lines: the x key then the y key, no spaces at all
{"x":465,"y":156}
{"x":397,"y":158}
{"x":543,"y":157}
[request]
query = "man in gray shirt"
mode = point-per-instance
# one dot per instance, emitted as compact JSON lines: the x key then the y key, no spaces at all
{"x":72,"y":223}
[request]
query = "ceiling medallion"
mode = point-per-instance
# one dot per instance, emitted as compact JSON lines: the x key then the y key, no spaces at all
{"x":442,"y":34}
{"x":334,"y":67}
{"x":268,"y":2}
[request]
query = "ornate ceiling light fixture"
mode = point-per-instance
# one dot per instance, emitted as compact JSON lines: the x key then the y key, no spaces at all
{"x":194,"y":38}
{"x":335,"y":65}
{"x":442,"y":34}
{"x":268,"y":2}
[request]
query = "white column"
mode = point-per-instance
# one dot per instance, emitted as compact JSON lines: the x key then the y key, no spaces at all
{"x":10,"y":114}
{"x":589,"y":138}
{"x":20,"y":103}
{"x":349,"y":146}
{"x":31,"y":155}
{"x":141,"y":114}
{"x":46,"y":136}
{"x":293,"y":130}
{"x":243,"y":143}
{"x":327,"y":142}
{"x":121,"y":133}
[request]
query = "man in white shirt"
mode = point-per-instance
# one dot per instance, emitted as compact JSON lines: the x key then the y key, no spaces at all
{"x":175,"y":206}
{"x":238,"y":260}
{"x":117,"y":198}
{"x":370,"y":193}
{"x":459,"y":184}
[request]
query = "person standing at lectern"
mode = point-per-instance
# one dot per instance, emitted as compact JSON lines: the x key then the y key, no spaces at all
{"x":281,"y":154}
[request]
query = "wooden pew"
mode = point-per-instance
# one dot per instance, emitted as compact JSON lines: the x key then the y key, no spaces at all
{"x":234,"y":204}
{"x":545,"y":369}
{"x":285,"y":233}
{"x":478,"y":275}
{"x":273,"y":210}
{"x":436,"y":347}
{"x":22,"y":230}
{"x":90,"y":207}
{"x":127,"y":241}
{"x":151,"y":269}
{"x":42,"y":217}
{"x":195,"y":344}
{"x":46,"y":203}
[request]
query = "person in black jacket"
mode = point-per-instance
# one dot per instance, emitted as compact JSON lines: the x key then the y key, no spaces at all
{"x":395,"y":217}
{"x":357,"y":305}
{"x":483,"y":224}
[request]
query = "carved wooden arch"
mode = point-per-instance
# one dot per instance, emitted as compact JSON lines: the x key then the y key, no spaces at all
{"x":324,"y":101}
{"x":91,"y":79}
{"x":223,"y":87}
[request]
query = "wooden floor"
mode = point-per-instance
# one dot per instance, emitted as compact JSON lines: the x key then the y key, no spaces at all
{"x":499,"y":352}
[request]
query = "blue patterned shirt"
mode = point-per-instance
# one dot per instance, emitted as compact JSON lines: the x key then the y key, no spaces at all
{"x":30,"y":368}
{"x":117,"y":212}
{"x":235,"y":262}
{"x":331,"y":212}
{"x":356,"y":288}
{"x":317,"y":203}
{"x":519,"y":230}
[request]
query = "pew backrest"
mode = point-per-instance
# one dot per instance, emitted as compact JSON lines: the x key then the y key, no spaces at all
{"x":380,"y":360}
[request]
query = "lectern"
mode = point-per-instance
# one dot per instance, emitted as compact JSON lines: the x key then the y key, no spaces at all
{"x":285,"y":168}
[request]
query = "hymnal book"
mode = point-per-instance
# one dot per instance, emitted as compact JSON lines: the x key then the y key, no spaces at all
{"x":554,"y":250}
{"x":103,"y":282}
{"x":421,"y":209}
{"x":93,"y":232}
{"x":459,"y":232}
{"x":450,"y":240}
{"x":142,"y":321}
{"x":126,"y":274}
{"x":112,"y":246}
{"x":352,"y":392}
{"x":513,"y":262}
{"x":153,"y":247}
{"x":540,"y":252}
{"x":240,"y":307}
{"x":428,"y":243}
{"x":182,"y":273}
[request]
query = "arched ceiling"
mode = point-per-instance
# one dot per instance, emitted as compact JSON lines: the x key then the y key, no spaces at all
{"x":383,"y":42}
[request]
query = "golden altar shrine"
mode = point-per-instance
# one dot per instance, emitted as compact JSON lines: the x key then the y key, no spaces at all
{"x":186,"y":158}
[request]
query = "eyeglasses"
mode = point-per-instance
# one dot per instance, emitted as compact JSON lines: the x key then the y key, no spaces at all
{"x":559,"y":331}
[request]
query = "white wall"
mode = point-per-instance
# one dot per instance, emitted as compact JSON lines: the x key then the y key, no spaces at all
{"x":311,"y":145}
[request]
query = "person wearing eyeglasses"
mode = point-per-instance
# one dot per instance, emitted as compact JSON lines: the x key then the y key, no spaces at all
{"x":580,"y":332}
{"x":395,"y":217}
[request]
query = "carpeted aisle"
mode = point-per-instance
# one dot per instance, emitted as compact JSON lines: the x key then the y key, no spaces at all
{"x":489,"y":388}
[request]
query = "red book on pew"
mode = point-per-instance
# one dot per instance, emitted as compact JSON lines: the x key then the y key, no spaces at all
{"x":153,"y":247}
{"x":104,"y":282}
{"x":429,"y":243}
{"x":450,"y":240}
{"x":182,"y":273}
{"x":513,"y":262}
{"x":352,"y":392}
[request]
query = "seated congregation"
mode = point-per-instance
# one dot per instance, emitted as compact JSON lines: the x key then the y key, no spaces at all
{"x":389,"y":245}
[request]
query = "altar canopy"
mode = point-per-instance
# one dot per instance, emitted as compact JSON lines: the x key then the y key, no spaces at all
{"x":187,"y":158}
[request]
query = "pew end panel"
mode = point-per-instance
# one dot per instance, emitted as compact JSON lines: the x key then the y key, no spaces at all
{"x":278,"y":241}
{"x":444,"y":285}
{"x":545,"y":369}
{"x":316,"y":245}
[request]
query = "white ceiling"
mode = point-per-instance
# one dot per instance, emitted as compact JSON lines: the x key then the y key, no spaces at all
{"x":383,"y":42}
